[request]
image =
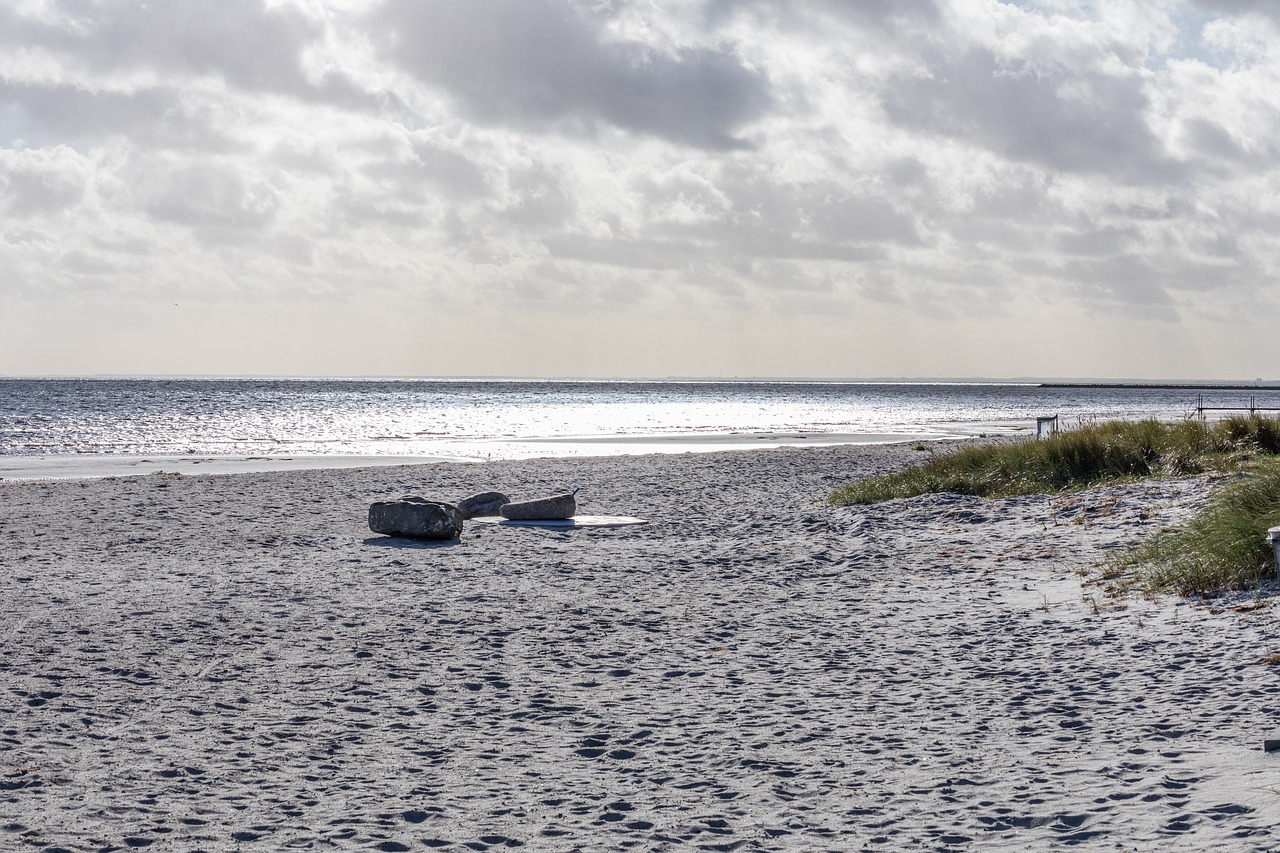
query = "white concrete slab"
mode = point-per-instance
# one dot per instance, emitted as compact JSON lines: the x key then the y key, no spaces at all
{"x":566,"y":523}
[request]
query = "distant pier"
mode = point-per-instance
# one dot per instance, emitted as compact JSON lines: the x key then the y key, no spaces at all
{"x":1200,"y":408}
{"x":1162,"y":386}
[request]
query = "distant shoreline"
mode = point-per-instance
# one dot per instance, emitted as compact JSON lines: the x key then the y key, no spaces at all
{"x":1021,"y":381}
{"x":63,"y":466}
{"x":1159,"y":386}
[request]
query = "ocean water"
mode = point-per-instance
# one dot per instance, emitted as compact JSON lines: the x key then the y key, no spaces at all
{"x":513,"y":419}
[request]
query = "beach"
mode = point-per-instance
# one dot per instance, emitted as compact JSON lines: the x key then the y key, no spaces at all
{"x":235,"y":662}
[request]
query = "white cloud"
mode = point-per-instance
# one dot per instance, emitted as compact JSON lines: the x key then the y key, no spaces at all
{"x":825,"y":181}
{"x":42,"y":182}
{"x":549,"y":64}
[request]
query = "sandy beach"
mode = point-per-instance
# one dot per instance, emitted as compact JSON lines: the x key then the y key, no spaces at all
{"x":227,"y":663}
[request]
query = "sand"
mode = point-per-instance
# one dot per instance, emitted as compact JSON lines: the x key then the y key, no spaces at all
{"x":235,"y":662}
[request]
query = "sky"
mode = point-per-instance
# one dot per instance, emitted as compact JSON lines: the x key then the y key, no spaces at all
{"x":618,"y":188}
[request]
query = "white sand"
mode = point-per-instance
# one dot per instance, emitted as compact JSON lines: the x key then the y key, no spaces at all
{"x":70,"y":467}
{"x":91,"y":467}
{"x":237,"y":663}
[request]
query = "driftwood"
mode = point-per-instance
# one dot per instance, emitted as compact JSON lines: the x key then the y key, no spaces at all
{"x":485,"y":503}
{"x":544,"y":509}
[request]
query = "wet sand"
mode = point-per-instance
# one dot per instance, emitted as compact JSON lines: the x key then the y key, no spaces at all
{"x":236,"y":663}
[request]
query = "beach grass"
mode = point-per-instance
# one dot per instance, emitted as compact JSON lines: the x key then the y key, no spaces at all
{"x":1089,"y":455}
{"x":1223,"y":547}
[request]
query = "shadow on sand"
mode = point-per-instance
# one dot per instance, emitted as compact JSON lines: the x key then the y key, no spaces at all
{"x":415,"y":544}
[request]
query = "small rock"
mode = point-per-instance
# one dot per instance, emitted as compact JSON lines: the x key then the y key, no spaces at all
{"x":543,"y":509}
{"x":416,"y":517}
{"x":485,"y":503}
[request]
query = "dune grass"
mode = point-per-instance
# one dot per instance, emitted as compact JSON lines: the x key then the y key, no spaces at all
{"x":1074,"y":459}
{"x":1223,"y":547}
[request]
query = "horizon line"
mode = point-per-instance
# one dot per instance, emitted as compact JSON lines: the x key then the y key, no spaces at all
{"x":922,"y":380}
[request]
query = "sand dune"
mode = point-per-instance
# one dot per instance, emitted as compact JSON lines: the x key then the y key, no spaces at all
{"x":236,"y":663}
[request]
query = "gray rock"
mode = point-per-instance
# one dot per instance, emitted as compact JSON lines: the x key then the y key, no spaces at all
{"x":485,"y":503}
{"x":543,"y":509}
{"x":415,"y":517}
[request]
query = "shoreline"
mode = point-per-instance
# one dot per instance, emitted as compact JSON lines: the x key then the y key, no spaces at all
{"x":225,"y":663}
{"x":25,"y":468}
{"x":18,"y":469}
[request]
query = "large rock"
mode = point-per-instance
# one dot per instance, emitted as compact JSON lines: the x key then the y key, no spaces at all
{"x":543,"y":509}
{"x":485,"y":503}
{"x":416,"y":517}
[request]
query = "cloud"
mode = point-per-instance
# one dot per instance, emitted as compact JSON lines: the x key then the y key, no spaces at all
{"x":542,"y":64}
{"x":42,"y":181}
{"x":883,"y":12}
{"x":159,"y":117}
{"x":431,"y":165}
{"x":866,"y":168}
{"x":1212,"y":140}
{"x":1262,"y":8}
{"x":212,"y":198}
{"x":245,"y":42}
{"x":127,"y":50}
{"x":879,"y":16}
{"x":1065,"y":119}
{"x":1107,"y":241}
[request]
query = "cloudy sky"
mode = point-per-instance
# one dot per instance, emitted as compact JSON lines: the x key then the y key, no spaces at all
{"x":846,"y":188}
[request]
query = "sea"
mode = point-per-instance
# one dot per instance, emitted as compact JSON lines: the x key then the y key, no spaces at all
{"x":508,"y":419}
